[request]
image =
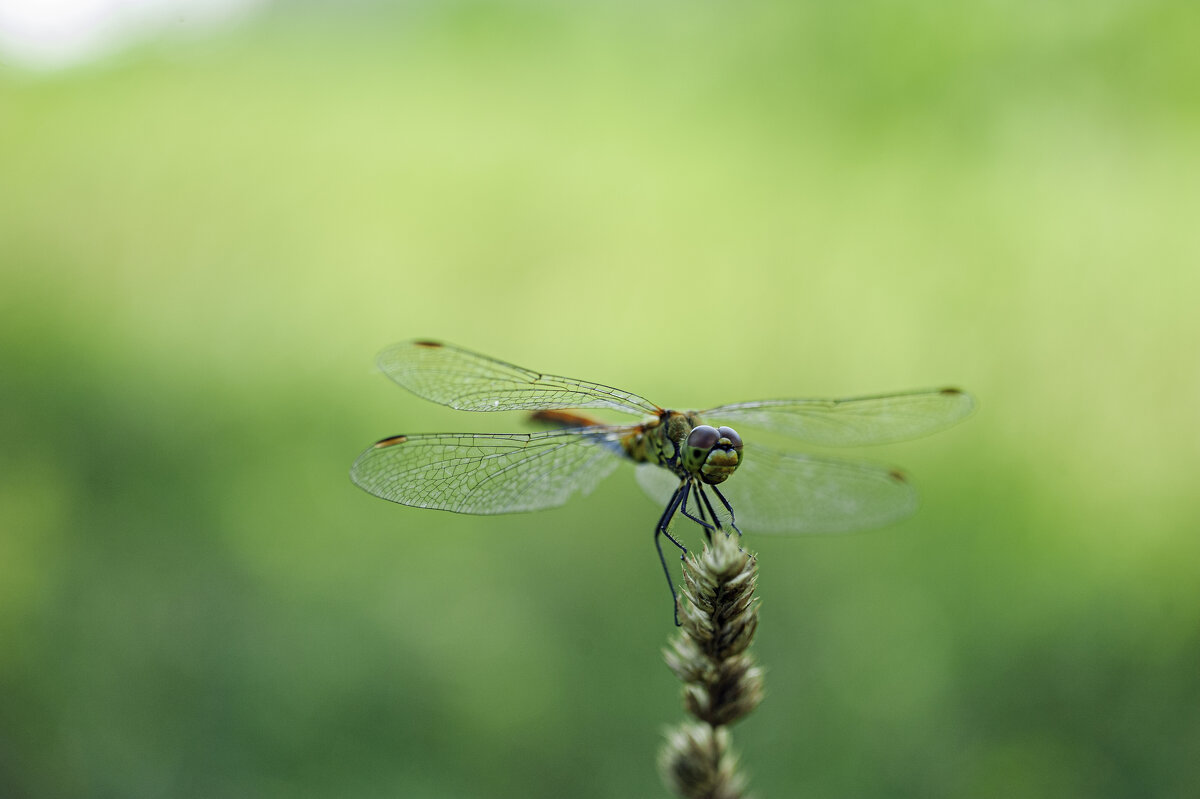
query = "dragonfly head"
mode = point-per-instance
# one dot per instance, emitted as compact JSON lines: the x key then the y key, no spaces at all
{"x":712,"y":453}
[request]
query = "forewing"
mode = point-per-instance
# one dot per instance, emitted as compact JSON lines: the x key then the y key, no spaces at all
{"x":858,"y":421}
{"x":792,"y":493}
{"x":487,"y":474}
{"x":471,"y":382}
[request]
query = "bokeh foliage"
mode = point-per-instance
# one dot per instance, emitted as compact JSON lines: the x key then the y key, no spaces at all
{"x":202,"y":245}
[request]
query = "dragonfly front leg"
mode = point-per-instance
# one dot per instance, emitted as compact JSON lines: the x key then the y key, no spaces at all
{"x":664,"y":522}
{"x":708,"y":504}
{"x":728,"y":507}
{"x":708,"y":528}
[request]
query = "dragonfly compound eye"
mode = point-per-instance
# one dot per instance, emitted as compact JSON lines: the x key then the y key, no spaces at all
{"x":699,"y":443}
{"x":703,"y":437}
{"x":731,"y":435}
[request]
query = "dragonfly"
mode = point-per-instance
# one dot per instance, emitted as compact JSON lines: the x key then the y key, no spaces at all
{"x":681,"y":459}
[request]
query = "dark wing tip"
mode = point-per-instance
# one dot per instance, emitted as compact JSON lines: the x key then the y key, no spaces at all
{"x":962,"y":399}
{"x":895,"y":474}
{"x":430,"y":344}
{"x":391,"y":441}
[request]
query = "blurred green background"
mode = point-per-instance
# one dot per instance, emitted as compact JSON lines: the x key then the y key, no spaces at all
{"x":204,"y":242}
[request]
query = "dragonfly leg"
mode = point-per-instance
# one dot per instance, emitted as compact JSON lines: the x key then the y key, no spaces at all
{"x":708,"y":504}
{"x":664,"y":522}
{"x":728,"y":507}
{"x":708,"y":528}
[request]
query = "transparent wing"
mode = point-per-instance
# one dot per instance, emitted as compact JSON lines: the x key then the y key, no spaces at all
{"x":471,"y":382}
{"x":851,"y":422}
{"x":487,"y":474}
{"x":793,"y":493}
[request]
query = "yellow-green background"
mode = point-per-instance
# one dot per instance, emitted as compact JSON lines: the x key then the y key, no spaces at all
{"x":203,"y":244}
